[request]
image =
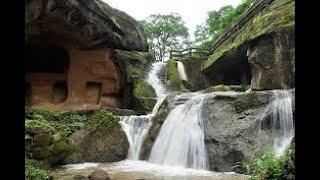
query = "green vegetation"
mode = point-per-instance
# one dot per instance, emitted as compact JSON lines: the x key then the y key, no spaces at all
{"x":33,"y":173}
{"x":268,"y":166}
{"x":64,"y":122}
{"x":102,"y":116}
{"x":143,"y":89}
{"x":173,"y":76}
{"x":165,"y":32}
{"x":217,"y":22}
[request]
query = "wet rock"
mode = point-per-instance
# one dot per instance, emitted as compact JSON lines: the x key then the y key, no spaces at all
{"x":121,"y":112}
{"x":232,"y":128}
{"x":42,"y":140}
{"x":79,"y":177}
{"x":99,"y":175}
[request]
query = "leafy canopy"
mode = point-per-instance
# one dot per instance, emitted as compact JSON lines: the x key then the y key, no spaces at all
{"x":165,"y":32}
{"x":217,"y":22}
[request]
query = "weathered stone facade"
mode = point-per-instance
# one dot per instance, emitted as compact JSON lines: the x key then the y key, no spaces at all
{"x":71,"y":61}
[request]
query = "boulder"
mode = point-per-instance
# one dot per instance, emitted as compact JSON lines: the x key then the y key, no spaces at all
{"x":100,"y":140}
{"x":232,"y":127}
{"x":99,"y":175}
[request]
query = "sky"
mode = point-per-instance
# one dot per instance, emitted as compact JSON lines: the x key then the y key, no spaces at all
{"x":193,"y":12}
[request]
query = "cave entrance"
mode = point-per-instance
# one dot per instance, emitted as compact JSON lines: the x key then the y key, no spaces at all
{"x":232,"y":69}
{"x":46,"y":69}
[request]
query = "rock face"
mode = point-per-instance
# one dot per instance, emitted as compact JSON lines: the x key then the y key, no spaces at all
{"x":101,"y":140}
{"x":260,"y":50}
{"x":232,"y":127}
{"x":71,"y":61}
{"x":272,"y":56}
{"x":85,"y":24}
{"x":137,"y":95}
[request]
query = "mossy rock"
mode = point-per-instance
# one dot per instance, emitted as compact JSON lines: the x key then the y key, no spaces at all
{"x":143,"y":89}
{"x":144,"y":97}
{"x":173,"y":78}
{"x":101,"y":116}
{"x":35,"y":126}
{"x":277,"y":16}
{"x":62,"y":146}
{"x":249,"y":100}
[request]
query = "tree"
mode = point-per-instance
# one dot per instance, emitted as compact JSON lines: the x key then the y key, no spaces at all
{"x":164,"y":33}
{"x":217,"y":22}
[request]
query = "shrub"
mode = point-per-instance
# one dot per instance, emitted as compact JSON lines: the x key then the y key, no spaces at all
{"x":268,"y":166}
{"x":33,"y":173}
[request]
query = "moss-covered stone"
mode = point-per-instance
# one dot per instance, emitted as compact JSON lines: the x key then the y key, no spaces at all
{"x":277,"y":16}
{"x":143,"y":96}
{"x":173,"y":78}
{"x":249,"y":100}
{"x":101,"y":116}
{"x":38,"y":126}
{"x":61,"y":146}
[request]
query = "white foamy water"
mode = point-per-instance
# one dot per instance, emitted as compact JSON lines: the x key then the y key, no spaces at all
{"x":180,"y":141}
{"x":282,"y":120}
{"x":129,"y":169}
{"x":81,"y":166}
{"x":136,"y":127}
{"x":182,"y":71}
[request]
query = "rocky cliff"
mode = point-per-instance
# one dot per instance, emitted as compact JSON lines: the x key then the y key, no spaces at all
{"x":84,"y":24}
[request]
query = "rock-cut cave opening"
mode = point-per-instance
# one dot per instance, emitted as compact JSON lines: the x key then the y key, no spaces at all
{"x":46,"y":68}
{"x":233,"y":69}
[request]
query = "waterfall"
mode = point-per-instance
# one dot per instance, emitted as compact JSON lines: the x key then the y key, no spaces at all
{"x":181,"y":70}
{"x":180,"y":141}
{"x":136,"y":127}
{"x":281,"y":120}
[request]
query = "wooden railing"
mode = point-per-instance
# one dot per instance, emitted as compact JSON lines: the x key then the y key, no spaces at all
{"x":188,"y":52}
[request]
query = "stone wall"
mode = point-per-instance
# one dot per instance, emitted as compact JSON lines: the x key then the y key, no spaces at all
{"x":91,"y":81}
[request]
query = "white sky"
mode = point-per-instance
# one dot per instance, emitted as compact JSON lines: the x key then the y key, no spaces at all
{"x":193,"y":12}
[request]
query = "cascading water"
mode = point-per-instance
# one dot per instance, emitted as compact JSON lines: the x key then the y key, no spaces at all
{"x":281,"y":120}
{"x":136,"y":127}
{"x":181,"y":70}
{"x":181,"y":139}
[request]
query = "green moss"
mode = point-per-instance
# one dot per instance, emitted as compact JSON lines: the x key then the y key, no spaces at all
{"x":279,"y":15}
{"x":64,"y":122}
{"x":143,"y":89}
{"x":36,"y":125}
{"x":62,"y":146}
{"x":33,"y":173}
{"x":173,"y":76}
{"x":101,"y":116}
